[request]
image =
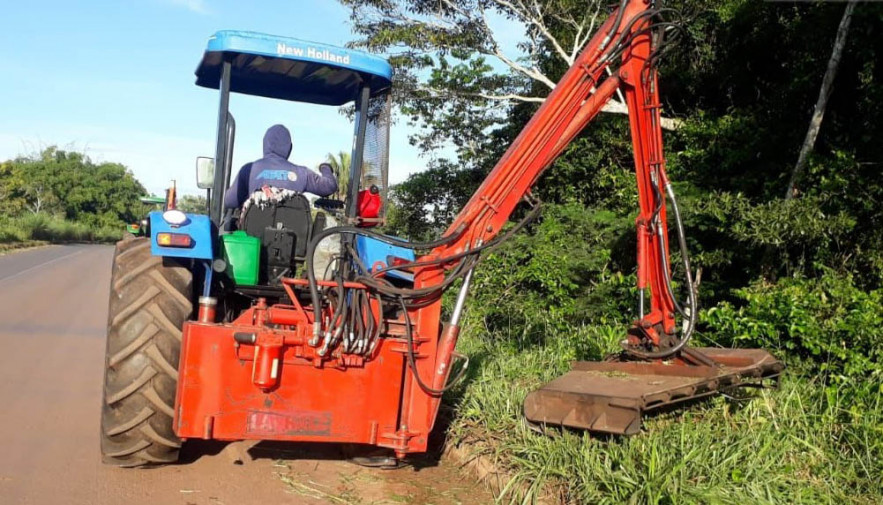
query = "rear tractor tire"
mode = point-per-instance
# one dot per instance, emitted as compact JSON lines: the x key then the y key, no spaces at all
{"x":149,"y":302}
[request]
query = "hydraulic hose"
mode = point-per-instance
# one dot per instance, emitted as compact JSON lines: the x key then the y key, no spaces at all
{"x":412,"y":362}
{"x":489,"y":246}
{"x":691,"y":289}
{"x":311,"y":250}
{"x":384,"y":288}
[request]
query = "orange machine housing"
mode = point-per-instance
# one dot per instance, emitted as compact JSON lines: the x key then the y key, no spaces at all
{"x":229,"y":387}
{"x":336,"y":403}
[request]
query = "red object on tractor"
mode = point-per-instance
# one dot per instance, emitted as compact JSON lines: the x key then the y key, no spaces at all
{"x":369,"y":205}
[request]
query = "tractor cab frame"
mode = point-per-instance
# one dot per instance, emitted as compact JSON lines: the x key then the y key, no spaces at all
{"x":295,"y":70}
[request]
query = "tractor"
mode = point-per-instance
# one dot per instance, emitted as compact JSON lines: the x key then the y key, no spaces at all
{"x":297,"y":321}
{"x":140,"y":228}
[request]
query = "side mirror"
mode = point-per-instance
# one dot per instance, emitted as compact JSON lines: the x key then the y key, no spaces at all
{"x":205,"y":172}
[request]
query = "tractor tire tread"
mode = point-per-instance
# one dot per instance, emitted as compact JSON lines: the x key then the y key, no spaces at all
{"x":131,"y":388}
{"x":151,"y":433}
{"x":128,"y":451}
{"x":133,"y":347}
{"x":150,"y":299}
{"x":154,"y":354}
{"x":142,"y":416}
{"x":154,"y":398}
{"x":135,"y":272}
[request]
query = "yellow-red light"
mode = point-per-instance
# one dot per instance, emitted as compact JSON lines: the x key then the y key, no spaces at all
{"x":173,"y":240}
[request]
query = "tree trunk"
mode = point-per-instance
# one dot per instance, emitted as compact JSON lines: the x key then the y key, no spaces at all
{"x":819,"y":112}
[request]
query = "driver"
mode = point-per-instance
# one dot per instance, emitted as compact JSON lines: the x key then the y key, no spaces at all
{"x":275,"y":171}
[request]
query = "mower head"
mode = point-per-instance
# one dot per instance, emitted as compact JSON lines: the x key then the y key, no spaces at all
{"x":613,"y":396}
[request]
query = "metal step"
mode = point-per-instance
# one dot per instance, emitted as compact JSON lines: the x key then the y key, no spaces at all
{"x":612,"y":396}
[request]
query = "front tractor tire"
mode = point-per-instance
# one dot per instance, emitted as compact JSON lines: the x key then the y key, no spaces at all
{"x":149,"y":302}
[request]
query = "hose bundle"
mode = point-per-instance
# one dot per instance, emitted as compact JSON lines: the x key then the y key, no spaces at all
{"x":353,"y":323}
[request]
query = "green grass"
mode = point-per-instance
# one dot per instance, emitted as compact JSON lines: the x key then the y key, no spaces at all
{"x":807,"y":442}
{"x":42,"y":227}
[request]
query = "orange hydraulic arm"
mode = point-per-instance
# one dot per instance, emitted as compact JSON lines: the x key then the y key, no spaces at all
{"x":620,"y":57}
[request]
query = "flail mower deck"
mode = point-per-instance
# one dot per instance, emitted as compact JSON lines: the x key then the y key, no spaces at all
{"x":612,"y":396}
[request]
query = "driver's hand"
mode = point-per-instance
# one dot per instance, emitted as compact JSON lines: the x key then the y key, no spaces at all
{"x":323,"y":167}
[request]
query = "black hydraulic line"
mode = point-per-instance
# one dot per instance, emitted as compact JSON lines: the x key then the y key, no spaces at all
{"x":372,"y":331}
{"x":311,"y":250}
{"x":654,"y":216}
{"x":620,"y":12}
{"x":490,"y":245}
{"x":691,"y":289}
{"x":351,"y":336}
{"x":337,"y":313}
{"x":412,"y":362}
{"x":402,"y":292}
{"x":626,"y":37}
{"x":665,"y":260}
{"x":385,"y":288}
{"x":626,"y":33}
{"x":415,"y":293}
{"x":366,"y":320}
{"x":654,"y":219}
{"x":371,"y":281}
{"x":682,"y":244}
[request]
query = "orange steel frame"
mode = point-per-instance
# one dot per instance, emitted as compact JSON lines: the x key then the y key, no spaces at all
{"x":259,"y":378}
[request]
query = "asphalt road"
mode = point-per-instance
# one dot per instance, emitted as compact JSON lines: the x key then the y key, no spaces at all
{"x":53,"y":312}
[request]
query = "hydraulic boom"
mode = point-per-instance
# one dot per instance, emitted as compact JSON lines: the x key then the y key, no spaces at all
{"x":621,"y":56}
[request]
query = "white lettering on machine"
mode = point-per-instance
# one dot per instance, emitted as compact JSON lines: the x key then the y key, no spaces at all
{"x":284,"y":49}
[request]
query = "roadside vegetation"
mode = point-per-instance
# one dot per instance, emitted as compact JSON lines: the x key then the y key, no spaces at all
{"x":49,"y":228}
{"x":816,"y":439}
{"x":790,"y":253}
{"x":61,"y":196}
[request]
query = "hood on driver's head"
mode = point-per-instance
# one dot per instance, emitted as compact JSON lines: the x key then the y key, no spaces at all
{"x":277,"y":141}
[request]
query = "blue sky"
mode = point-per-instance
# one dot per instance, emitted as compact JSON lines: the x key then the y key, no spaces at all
{"x":114,"y":78}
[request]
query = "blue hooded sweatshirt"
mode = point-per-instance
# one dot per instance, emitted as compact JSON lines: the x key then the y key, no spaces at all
{"x":275,"y":170}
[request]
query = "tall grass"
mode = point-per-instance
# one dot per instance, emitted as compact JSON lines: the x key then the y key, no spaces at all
{"x":807,"y":442}
{"x":53,"y":229}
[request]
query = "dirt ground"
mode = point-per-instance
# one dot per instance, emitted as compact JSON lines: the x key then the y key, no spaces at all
{"x":53,"y":312}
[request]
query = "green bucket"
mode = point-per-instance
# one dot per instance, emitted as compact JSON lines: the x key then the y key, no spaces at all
{"x":242,"y":254}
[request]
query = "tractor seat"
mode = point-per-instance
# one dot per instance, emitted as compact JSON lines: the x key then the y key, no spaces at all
{"x":285,"y":227}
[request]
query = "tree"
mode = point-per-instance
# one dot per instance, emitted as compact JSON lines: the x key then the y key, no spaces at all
{"x":37,"y":197}
{"x":427,"y":201}
{"x":70,"y":184}
{"x":743,"y":78}
{"x":192,"y":204}
{"x":453,"y":67}
{"x":819,"y":111}
{"x":340,"y":164}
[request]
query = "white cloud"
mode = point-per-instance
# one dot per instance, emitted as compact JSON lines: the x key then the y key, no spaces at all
{"x":197,"y":6}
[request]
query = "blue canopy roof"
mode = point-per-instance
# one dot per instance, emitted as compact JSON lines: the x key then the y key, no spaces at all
{"x":291,"y":69}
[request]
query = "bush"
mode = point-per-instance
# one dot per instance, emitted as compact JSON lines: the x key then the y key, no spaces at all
{"x":54,"y":229}
{"x":9,"y":232}
{"x":828,"y":320}
{"x":561,"y":273}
